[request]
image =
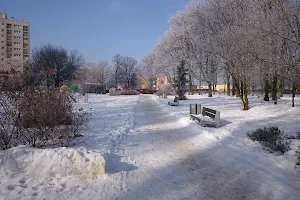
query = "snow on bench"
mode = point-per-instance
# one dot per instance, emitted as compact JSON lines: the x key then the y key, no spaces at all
{"x":163,"y":96}
{"x":206,"y":116}
{"x":175,"y":103}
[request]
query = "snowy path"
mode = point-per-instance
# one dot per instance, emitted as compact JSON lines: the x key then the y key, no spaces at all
{"x":171,"y":165}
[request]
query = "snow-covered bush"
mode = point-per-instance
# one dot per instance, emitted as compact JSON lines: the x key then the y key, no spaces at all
{"x":271,"y":138}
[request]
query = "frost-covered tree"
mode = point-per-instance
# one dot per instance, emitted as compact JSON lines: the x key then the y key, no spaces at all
{"x":253,"y":44}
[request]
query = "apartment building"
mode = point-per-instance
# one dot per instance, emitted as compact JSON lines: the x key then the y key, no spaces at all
{"x":14,"y":43}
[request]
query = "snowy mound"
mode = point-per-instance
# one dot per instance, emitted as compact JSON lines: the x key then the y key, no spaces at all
{"x":45,"y":163}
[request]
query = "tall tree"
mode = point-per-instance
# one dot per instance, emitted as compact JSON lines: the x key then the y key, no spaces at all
{"x":129,"y":71}
{"x":58,"y":64}
{"x":117,"y":61}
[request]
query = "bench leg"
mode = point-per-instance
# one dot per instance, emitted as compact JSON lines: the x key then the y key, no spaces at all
{"x":217,"y":119}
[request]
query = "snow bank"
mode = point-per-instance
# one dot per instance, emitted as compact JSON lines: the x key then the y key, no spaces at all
{"x":49,"y":163}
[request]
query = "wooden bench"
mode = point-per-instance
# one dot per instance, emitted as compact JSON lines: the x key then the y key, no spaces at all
{"x":214,"y":115}
{"x":163,"y":96}
{"x":175,"y":103}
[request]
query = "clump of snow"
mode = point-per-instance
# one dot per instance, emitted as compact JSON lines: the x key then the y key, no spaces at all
{"x":50,"y":163}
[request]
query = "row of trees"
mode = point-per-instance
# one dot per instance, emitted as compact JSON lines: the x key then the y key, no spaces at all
{"x":123,"y":72}
{"x":253,"y":45}
{"x":55,"y":65}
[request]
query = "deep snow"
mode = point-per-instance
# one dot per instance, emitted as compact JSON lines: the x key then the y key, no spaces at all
{"x":153,"y":151}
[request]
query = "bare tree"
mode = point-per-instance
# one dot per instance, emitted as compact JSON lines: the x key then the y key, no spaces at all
{"x":99,"y":72}
{"x":129,"y":71}
{"x":57,"y":62}
{"x":117,"y":61}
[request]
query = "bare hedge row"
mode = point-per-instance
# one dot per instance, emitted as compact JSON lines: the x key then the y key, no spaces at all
{"x":39,"y":117}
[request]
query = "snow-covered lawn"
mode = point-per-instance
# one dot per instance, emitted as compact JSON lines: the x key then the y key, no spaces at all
{"x":235,"y":122}
{"x":153,"y":151}
{"x":28,"y":173}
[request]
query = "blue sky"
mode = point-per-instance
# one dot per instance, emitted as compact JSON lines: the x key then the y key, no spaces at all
{"x":98,"y":29}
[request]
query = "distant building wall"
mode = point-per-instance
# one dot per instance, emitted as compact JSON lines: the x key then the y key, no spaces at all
{"x":14,"y":43}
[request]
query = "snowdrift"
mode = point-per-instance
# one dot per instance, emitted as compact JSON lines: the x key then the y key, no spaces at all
{"x":49,"y":163}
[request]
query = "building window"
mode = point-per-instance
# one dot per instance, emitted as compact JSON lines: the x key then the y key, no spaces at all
{"x":8,"y":25}
{"x":9,"y":32}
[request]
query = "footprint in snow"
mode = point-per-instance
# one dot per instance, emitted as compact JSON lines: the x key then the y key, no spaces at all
{"x":10,"y":187}
{"x":34,"y":194}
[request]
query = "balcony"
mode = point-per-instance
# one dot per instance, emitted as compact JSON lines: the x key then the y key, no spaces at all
{"x":25,"y":28}
{"x":8,"y":26}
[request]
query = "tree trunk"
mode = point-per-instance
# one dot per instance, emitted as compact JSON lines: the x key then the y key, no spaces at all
{"x":242,"y":92}
{"x":181,"y":81}
{"x":266,"y":98}
{"x":57,"y":79}
{"x":209,"y":90}
{"x":246,"y":100}
{"x":233,"y":88}
{"x":228,"y":88}
{"x":214,"y":89}
{"x":191,"y":88}
{"x":293,"y":94}
{"x":116,"y":78}
{"x":242,"y":89}
{"x":200,"y":84}
{"x":274,"y":90}
{"x":281,"y":87}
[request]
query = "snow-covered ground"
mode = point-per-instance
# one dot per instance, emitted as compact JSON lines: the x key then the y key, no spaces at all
{"x":28,"y":173}
{"x":153,"y":151}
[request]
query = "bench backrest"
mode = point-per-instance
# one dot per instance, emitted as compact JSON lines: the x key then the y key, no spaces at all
{"x":209,"y":112}
{"x":195,"y":109}
{"x":176,"y":99}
